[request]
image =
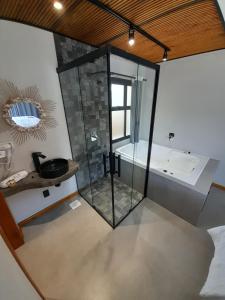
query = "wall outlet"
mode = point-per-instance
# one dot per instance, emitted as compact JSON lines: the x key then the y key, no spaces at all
{"x":2,"y":153}
{"x":46,"y":193}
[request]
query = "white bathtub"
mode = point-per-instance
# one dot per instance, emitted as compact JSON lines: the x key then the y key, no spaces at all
{"x":170,"y":162}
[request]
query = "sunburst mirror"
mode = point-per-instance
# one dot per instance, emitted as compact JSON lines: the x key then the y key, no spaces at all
{"x":24,"y":113}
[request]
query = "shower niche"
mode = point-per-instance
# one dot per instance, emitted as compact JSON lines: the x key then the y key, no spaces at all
{"x":109,"y":100}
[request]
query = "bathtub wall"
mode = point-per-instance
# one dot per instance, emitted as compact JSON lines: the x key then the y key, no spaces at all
{"x":191,"y":103}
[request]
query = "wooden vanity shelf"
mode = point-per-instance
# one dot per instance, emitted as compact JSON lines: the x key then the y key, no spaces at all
{"x":32,"y":181}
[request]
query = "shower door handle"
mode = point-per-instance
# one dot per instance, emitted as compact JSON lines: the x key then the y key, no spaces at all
{"x":118,"y":165}
{"x":112,"y":164}
{"x":105,"y":157}
{"x":111,"y":158}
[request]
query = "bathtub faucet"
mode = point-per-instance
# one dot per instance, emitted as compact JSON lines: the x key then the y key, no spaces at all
{"x":171,"y":135}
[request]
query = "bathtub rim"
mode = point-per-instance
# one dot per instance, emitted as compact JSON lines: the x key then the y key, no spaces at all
{"x":203,"y":182}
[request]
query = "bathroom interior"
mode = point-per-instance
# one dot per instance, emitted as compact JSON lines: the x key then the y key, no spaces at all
{"x":115,"y":145}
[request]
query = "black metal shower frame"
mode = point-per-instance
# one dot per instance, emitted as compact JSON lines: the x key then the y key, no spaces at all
{"x":108,"y":50}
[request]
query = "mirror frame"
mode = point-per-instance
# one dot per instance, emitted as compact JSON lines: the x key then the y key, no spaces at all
{"x":8,"y":118}
{"x":10,"y":95}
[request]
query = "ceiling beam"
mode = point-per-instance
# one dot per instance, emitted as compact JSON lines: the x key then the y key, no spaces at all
{"x":123,"y":19}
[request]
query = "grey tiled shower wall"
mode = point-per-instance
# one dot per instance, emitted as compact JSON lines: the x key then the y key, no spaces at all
{"x":85,"y":96}
{"x":94,"y":94}
{"x":68,"y":49}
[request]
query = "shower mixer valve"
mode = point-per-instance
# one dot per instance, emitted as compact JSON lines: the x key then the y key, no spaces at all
{"x":94,"y":136}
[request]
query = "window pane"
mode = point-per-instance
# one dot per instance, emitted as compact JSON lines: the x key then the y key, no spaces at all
{"x":128,"y":123}
{"x":117,"y":124}
{"x":117,"y":95}
{"x":129,"y":92}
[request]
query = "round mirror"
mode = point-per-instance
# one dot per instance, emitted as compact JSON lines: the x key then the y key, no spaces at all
{"x":25,"y":114}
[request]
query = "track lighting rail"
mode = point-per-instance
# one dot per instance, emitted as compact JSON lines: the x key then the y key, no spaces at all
{"x":117,"y":15}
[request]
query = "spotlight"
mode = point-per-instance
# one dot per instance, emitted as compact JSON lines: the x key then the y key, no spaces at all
{"x":57,"y":5}
{"x":165,"y":55}
{"x":131,"y":40}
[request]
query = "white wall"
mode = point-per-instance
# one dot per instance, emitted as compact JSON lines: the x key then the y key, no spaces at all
{"x":191,"y":103}
{"x":27,"y":58}
{"x":222,"y":7}
{"x":14,"y":285}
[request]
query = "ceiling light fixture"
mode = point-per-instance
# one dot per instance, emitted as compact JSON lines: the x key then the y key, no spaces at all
{"x":165,"y":55}
{"x":57,"y":5}
{"x":131,"y":40}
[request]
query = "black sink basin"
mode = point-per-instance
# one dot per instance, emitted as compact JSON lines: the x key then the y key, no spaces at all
{"x":54,"y":168}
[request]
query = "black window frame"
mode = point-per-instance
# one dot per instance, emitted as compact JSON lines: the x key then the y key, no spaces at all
{"x":125,"y":107}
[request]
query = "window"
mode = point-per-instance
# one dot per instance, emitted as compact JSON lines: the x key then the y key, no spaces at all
{"x":121,"y":103}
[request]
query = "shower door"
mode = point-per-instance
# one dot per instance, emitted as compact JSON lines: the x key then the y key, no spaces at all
{"x":132,"y":91}
{"x":123,"y":73}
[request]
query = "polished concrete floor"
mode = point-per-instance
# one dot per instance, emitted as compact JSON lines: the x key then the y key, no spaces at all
{"x":152,"y":255}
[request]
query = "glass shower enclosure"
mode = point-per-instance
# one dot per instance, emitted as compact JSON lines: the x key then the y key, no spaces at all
{"x":109,"y":99}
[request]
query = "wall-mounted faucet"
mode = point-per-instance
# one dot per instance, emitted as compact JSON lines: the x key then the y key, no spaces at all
{"x":171,"y":135}
{"x":35,"y":156}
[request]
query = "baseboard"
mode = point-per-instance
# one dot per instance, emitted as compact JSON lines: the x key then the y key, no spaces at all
{"x":218,"y":186}
{"x":46,"y":209}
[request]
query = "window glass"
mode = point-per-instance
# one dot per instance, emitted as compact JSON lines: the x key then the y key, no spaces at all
{"x":128,"y":123}
{"x":129,"y":93}
{"x":117,"y":95}
{"x":117,"y":124}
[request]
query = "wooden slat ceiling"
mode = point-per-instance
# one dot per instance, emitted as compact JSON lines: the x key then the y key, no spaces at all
{"x":186,"y":26}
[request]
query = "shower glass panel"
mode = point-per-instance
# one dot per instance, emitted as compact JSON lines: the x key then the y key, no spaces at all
{"x":109,"y":100}
{"x":142,"y":118}
{"x":85,"y":95}
{"x":124,"y":75}
{"x":93,"y":83}
{"x":70,"y":87}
